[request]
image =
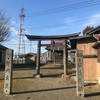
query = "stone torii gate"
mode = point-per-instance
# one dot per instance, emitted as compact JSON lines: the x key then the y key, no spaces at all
{"x":78,"y":57}
{"x":54,"y":37}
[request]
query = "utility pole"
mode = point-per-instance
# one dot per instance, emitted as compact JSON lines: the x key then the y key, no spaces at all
{"x":21,"y":46}
{"x":30,"y":46}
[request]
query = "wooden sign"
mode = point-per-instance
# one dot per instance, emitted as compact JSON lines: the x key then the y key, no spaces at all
{"x":8,"y":71}
{"x":79,"y":73}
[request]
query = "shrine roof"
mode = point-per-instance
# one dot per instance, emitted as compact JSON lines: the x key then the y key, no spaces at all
{"x":54,"y":37}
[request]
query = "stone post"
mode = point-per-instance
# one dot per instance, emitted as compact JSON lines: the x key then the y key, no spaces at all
{"x":65,"y":58}
{"x":38,"y":58}
{"x":8,"y":72}
{"x":79,"y":73}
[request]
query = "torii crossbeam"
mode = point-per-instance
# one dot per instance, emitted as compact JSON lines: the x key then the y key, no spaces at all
{"x":52,"y":37}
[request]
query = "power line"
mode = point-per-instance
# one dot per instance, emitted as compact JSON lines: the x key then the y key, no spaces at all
{"x":62,"y":24}
{"x":66,"y":8}
{"x":75,"y":6}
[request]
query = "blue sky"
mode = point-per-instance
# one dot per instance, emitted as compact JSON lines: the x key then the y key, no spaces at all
{"x":74,"y":17}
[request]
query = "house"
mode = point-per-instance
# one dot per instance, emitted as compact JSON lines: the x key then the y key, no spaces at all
{"x":30,"y":58}
{"x":2,"y":54}
{"x":56,"y":55}
{"x":57,"y":51}
{"x":91,"y":54}
{"x":45,"y":57}
{"x":90,"y":45}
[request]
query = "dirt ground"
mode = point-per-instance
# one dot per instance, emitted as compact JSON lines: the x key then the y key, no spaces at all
{"x":50,"y":87}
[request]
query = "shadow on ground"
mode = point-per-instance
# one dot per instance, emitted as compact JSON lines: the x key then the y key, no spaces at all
{"x":20,"y":67}
{"x":44,"y":90}
{"x":50,"y":67}
{"x":52,"y":75}
{"x":92,"y":94}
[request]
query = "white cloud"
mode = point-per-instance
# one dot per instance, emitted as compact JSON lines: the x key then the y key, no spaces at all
{"x":69,"y":21}
{"x":13,"y":23}
{"x":14,"y":30}
{"x":93,"y":20}
{"x":30,"y":26}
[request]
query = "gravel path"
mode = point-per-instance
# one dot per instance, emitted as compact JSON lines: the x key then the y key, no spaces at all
{"x":50,"y":87}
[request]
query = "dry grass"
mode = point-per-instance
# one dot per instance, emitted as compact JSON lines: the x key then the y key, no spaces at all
{"x":50,"y":87}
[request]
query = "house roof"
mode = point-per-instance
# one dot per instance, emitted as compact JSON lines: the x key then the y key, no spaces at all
{"x":58,"y":41}
{"x":81,"y":37}
{"x":89,"y":33}
{"x":95,"y":30}
{"x":89,"y":36}
{"x":30,"y":54}
{"x":96,"y":45}
{"x":3,"y":47}
{"x":97,"y":36}
{"x":35,"y":37}
{"x":57,"y":48}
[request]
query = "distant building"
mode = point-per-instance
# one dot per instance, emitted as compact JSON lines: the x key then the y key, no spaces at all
{"x":45,"y":57}
{"x":56,"y":52}
{"x":2,"y":54}
{"x":30,"y":58}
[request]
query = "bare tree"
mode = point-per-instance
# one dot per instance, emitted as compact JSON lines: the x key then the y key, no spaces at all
{"x":87,"y":29}
{"x":4,"y":27}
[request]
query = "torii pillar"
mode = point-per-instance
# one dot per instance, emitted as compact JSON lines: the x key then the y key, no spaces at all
{"x":38,"y":59}
{"x":65,"y":58}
